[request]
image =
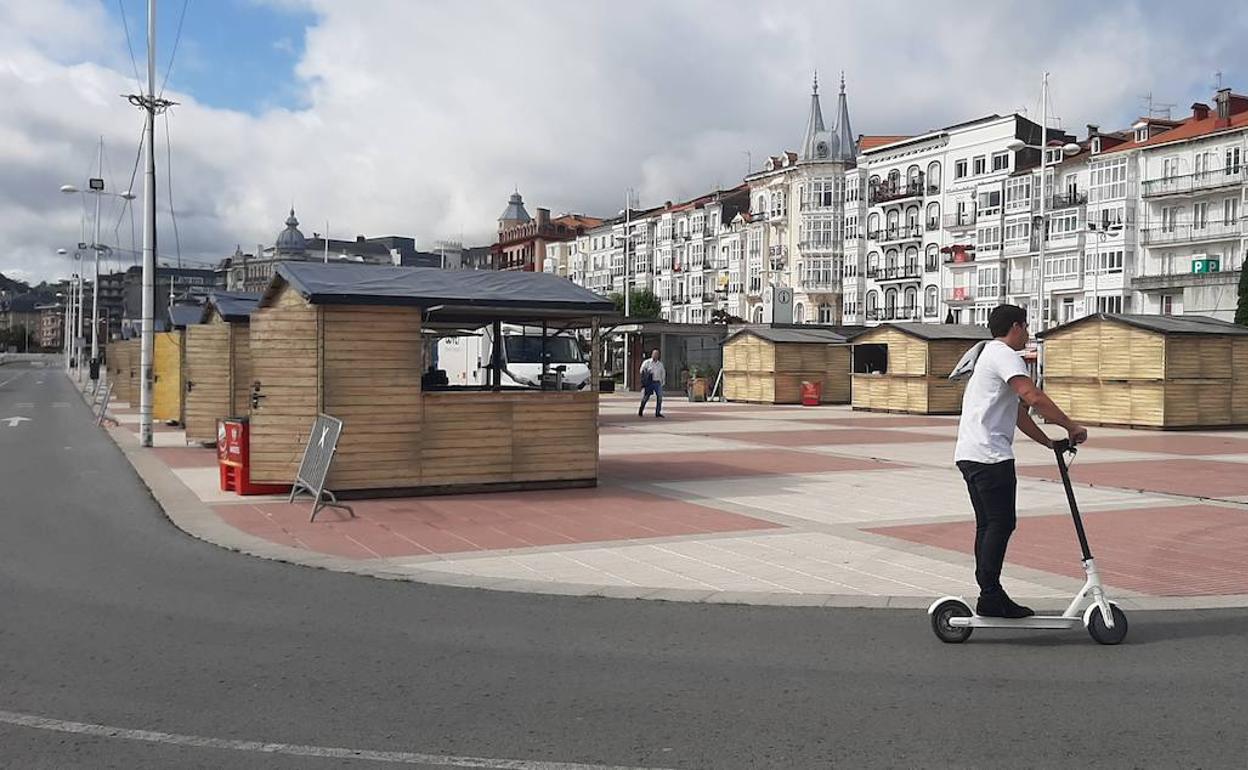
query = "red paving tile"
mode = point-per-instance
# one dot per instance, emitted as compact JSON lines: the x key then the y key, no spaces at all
{"x":1191,"y":550}
{"x":899,"y":421}
{"x":1195,"y":478}
{"x":417,"y":526}
{"x":186,"y":457}
{"x":671,"y":415}
{"x":692,"y":466}
{"x":830,"y":436}
{"x":1177,"y":444}
{"x":157,"y":427}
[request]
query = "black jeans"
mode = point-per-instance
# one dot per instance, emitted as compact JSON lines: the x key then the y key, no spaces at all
{"x":992,"y":487}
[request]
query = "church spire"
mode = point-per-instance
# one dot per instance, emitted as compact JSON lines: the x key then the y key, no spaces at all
{"x":847,"y":146}
{"x":815,"y":129}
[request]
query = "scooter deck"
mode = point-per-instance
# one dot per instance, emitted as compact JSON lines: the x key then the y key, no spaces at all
{"x":1035,"y":621}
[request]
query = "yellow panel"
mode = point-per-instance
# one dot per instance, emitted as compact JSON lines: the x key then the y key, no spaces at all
{"x":167,"y":377}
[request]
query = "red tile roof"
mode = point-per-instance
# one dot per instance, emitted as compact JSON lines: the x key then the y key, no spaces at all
{"x":869,"y":142}
{"x":1192,"y":127}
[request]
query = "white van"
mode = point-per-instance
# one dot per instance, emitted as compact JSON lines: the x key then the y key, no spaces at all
{"x":466,"y":360}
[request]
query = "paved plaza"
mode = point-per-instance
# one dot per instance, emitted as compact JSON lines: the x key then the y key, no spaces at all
{"x":769,"y":505}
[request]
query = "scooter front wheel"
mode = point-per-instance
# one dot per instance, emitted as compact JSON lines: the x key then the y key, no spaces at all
{"x":1101,"y":632}
{"x":950,"y":634}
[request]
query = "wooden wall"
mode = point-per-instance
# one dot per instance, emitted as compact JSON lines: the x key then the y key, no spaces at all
{"x":760,"y":371}
{"x":285,"y":344}
{"x":119,"y":352}
{"x":135,"y":361}
{"x":240,"y":369}
{"x":372,"y":363}
{"x":1111,"y":373}
{"x":207,"y":379}
{"x":917,"y":380}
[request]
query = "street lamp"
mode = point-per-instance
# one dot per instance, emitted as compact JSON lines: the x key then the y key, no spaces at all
{"x":1102,"y":232}
{"x":95,"y":186}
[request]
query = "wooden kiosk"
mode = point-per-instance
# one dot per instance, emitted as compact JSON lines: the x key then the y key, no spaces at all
{"x":767,"y":365}
{"x":123,"y":370}
{"x":1149,"y":371}
{"x":904,"y":367}
{"x":349,"y":340}
{"x":218,"y":364}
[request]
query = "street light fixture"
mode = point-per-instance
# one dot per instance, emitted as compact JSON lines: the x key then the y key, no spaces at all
{"x":1102,"y":232}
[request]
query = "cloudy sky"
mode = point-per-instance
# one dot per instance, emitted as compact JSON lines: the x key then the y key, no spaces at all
{"x":418,"y":117}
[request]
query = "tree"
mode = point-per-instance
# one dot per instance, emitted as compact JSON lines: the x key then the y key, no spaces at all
{"x":642,"y":304}
{"x":1241,"y":313}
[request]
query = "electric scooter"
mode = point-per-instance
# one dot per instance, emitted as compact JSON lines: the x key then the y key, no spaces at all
{"x":953,"y":618}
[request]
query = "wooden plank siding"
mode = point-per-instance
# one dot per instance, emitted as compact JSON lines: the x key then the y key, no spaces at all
{"x":917,"y":377}
{"x":119,"y":352}
{"x":363,"y":365}
{"x":285,"y":346}
{"x":766,"y":372}
{"x":1106,"y":372}
{"x":167,"y":388}
{"x":207,"y":378}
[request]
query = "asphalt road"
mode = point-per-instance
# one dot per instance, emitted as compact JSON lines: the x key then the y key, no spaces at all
{"x":110,"y":616}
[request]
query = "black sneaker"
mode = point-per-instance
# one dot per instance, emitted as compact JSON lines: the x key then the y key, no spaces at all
{"x":661,"y":416}
{"x":1001,"y":606}
{"x":641,"y":412}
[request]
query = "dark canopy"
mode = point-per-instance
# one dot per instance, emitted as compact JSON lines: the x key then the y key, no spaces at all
{"x":182,"y":316}
{"x":233,"y":306}
{"x":446,"y":296}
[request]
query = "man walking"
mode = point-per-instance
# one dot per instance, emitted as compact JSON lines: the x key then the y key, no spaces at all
{"x":996,"y":401}
{"x":652,"y":376}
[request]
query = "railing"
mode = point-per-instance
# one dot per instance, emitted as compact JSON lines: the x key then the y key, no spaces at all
{"x":929,"y":310}
{"x":818,"y":282}
{"x":1066,"y":201}
{"x":1189,"y":183}
{"x":886,"y":193}
{"x":1185,"y":233}
{"x":1021,"y":286}
{"x":1015,"y":248}
{"x":959,"y":258}
{"x":955,"y":220}
{"x":931,"y":265}
{"x":903,"y":313}
{"x":911,"y":232}
{"x":895,"y":273}
{"x":960,"y":294}
{"x":932,"y":225}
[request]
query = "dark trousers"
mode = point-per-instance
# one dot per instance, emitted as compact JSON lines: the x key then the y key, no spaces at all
{"x":649,"y":388}
{"x":992,"y":487}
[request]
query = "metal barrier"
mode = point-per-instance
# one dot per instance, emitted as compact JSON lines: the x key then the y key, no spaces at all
{"x":314,"y":468}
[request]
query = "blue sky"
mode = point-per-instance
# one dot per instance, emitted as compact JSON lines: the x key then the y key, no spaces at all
{"x":235,"y":54}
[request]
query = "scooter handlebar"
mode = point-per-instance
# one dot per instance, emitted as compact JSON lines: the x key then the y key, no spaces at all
{"x":1063,"y":445}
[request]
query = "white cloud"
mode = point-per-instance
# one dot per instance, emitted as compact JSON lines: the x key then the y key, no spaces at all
{"x":422,"y":116}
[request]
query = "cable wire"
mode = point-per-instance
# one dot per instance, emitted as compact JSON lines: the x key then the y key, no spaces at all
{"x":177,"y":38}
{"x":130,"y":46}
{"x":173,"y":214}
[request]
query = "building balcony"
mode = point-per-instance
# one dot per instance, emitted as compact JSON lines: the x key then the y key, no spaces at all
{"x":814,"y":246}
{"x":895,"y":273}
{"x":932,"y":225}
{"x":1021,"y":286}
{"x":960,"y":294}
{"x":819,"y":282}
{"x":1190,"y":233}
{"x":1057,"y":202}
{"x":1190,"y":184}
{"x":1020,"y":248}
{"x":903,"y":313}
{"x":1163,"y":279}
{"x":886,"y":193}
{"x":959,"y":259}
{"x":963,"y":221}
{"x":898,"y":234}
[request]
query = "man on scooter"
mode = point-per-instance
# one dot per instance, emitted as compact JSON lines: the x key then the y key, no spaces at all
{"x":997,"y":400}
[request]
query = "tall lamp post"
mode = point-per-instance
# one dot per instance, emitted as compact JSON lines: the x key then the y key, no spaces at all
{"x":95,"y":186}
{"x":1101,"y":232}
{"x":1040,"y":222}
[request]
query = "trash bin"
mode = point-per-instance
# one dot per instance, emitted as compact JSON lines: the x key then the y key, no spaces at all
{"x":234,"y":460}
{"x":811,"y":393}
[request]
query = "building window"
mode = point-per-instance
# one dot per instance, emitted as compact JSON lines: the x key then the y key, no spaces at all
{"x":959,"y":169}
{"x":1109,"y":180}
{"x":980,"y":165}
{"x":929,"y":301}
{"x":1167,"y":304}
{"x":1000,"y":161}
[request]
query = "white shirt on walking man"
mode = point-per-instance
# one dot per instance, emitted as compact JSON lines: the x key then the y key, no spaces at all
{"x":652,"y":376}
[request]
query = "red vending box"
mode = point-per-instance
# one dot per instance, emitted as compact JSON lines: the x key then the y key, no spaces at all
{"x":234,"y":460}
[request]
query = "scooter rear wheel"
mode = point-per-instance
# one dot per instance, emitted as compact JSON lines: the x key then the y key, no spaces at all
{"x":940,"y":622}
{"x":1102,"y":633}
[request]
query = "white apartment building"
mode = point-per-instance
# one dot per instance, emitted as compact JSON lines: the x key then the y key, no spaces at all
{"x":795,"y":235}
{"x":926,"y":222}
{"x":1192,"y":202}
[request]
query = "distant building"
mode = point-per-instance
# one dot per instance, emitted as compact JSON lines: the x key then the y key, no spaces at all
{"x":172,"y":283}
{"x":252,"y":272}
{"x":522,"y":240}
{"x":51,"y":326}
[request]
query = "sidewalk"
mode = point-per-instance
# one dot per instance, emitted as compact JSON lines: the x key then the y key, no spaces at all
{"x":768,"y":505}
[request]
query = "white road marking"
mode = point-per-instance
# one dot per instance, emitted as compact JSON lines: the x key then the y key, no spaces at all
{"x":14,"y":377}
{"x":14,"y":421}
{"x":25,"y":405}
{"x":293,"y":749}
{"x":60,"y":404}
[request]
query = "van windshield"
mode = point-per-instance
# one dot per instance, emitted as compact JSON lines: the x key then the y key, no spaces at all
{"x":528,"y":350}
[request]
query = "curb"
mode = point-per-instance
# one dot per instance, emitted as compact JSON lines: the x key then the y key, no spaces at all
{"x":189,"y":514}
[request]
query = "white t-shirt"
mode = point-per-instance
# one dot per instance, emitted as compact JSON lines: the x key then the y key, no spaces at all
{"x":990,"y":406}
{"x":656,"y":369}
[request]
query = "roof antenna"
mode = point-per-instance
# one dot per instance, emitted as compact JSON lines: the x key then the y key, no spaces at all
{"x":1217,"y":78}
{"x":816,"y":85}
